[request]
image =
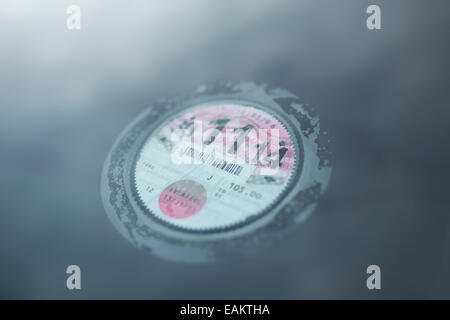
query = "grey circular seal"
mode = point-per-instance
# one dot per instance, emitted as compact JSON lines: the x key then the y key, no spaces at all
{"x":294,"y":204}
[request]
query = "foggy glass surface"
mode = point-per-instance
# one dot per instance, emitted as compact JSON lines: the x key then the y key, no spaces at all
{"x":66,"y":95}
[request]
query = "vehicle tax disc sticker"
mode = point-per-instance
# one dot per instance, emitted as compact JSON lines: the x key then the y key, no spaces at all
{"x":209,"y":185}
{"x":231,"y":166}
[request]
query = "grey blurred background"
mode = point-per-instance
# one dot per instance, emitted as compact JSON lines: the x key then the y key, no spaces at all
{"x":66,"y":95}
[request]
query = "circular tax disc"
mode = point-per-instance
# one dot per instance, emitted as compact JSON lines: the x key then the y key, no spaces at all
{"x":233,"y":165}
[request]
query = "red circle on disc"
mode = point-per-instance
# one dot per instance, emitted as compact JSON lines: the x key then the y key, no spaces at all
{"x":182,"y":199}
